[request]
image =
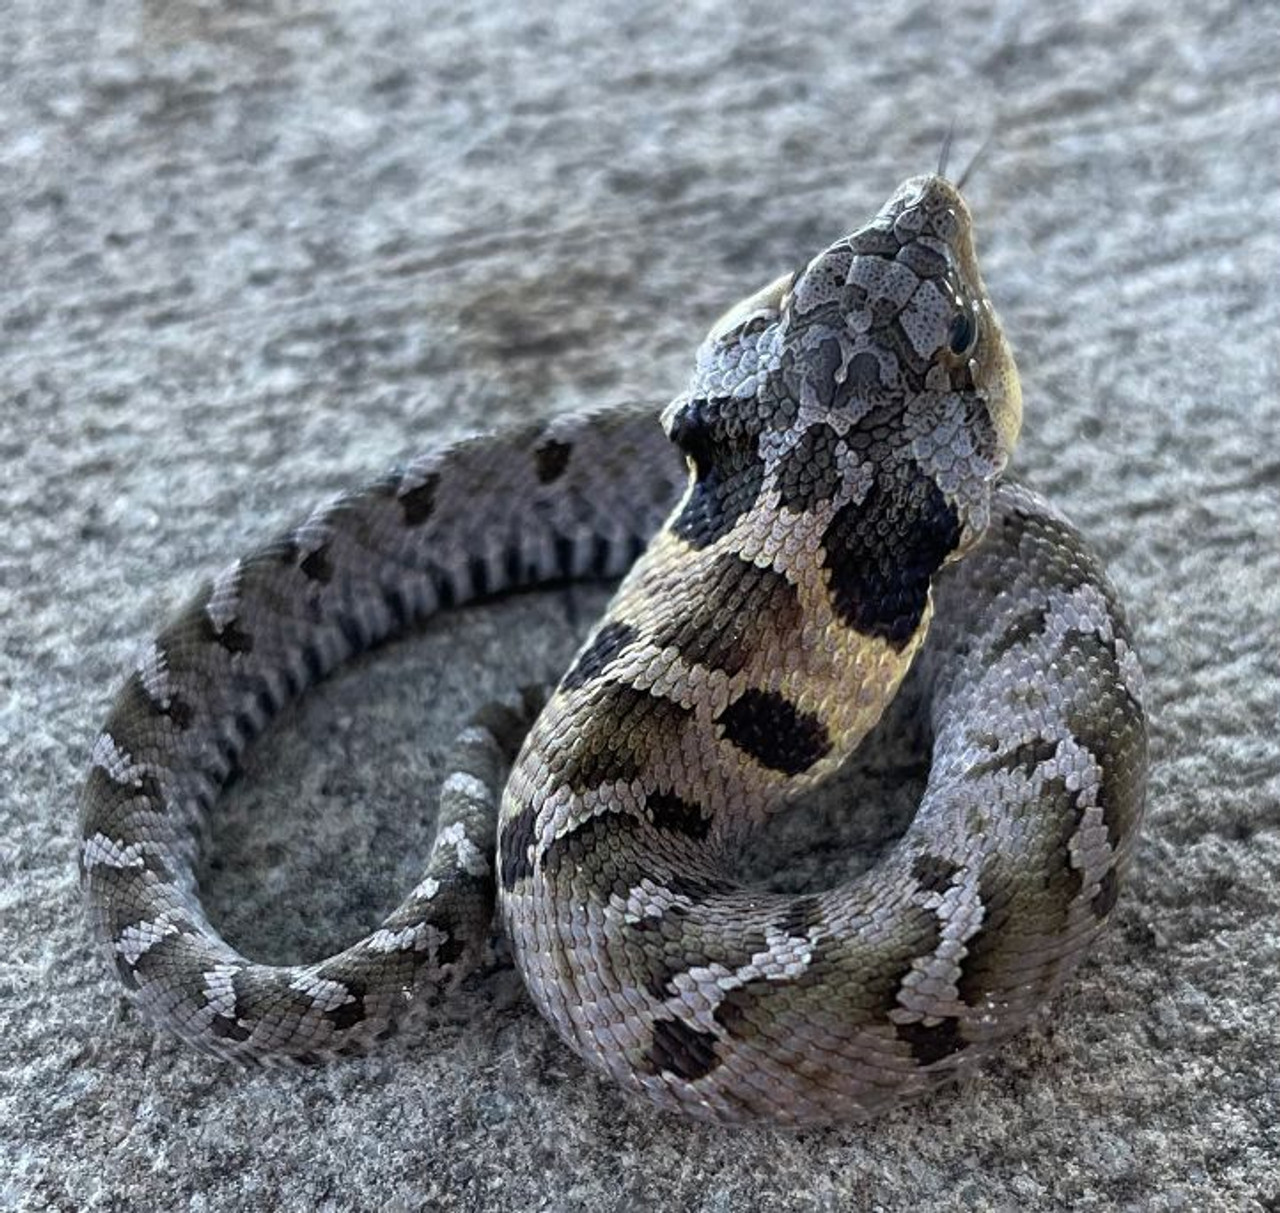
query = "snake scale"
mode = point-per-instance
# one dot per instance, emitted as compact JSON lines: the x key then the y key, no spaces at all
{"x":845,"y":435}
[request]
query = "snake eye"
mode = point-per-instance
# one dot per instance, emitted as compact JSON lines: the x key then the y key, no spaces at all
{"x":963,"y":334}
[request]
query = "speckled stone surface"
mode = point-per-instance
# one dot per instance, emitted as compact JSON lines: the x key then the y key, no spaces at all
{"x":254,"y":252}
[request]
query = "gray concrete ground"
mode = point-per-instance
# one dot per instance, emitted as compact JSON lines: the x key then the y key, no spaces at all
{"x":252,"y":252}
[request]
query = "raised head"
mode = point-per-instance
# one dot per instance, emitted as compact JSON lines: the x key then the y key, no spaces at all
{"x":885,"y":351}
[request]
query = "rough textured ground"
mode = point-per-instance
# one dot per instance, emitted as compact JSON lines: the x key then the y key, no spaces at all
{"x":252,"y":252}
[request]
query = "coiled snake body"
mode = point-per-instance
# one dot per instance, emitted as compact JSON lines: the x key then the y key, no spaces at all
{"x":845,"y":432}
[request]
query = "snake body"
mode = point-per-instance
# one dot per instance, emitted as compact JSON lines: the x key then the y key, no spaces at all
{"x":843,"y":514}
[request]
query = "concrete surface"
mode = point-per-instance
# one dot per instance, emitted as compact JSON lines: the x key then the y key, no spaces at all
{"x":251,"y":252}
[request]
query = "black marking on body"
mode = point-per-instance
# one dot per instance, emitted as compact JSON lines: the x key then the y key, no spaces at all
{"x":478,"y":572}
{"x":934,"y":873}
{"x":624,"y":734}
{"x":605,"y":856}
{"x":166,"y":956}
{"x":550,"y":458}
{"x":231,"y":636}
{"x":353,"y":633}
{"x":1026,"y":756}
{"x":801,"y":915}
{"x":1061,"y":806}
{"x":1019,"y":630}
{"x":347,"y":1014}
{"x":228,"y":1027}
{"x":136,"y":701}
{"x":317,"y":565}
{"x":810,"y":472}
{"x":679,"y":1049}
{"x":125,"y":971}
{"x":1104,"y":900}
{"x":313,"y":660}
{"x":393,"y":598}
{"x":731,"y":615}
{"x":738,"y":1013}
{"x":863,"y":379}
{"x":445,"y":587}
{"x":102,"y":788}
{"x":676,"y":816}
{"x":773,"y":731}
{"x":660,"y":983}
{"x":987,"y":949}
{"x":1067,"y":563}
{"x":514,"y":860}
{"x":728,"y":470}
{"x":601,"y":551}
{"x":419,"y":502}
{"x":881,"y":554}
{"x":564,"y":555}
{"x":932,"y":1043}
{"x":452,"y":947}
{"x":607,"y":644}
{"x":1110,"y":725}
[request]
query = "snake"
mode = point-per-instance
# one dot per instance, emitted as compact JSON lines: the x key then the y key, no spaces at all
{"x":825,"y":508}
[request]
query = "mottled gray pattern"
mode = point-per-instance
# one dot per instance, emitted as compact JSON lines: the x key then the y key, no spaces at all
{"x":486,"y":515}
{"x":653,"y":758}
{"x":253,"y":252}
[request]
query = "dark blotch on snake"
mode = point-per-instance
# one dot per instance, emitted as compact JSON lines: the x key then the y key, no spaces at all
{"x":774,"y":731}
{"x":1024,"y":757}
{"x":934,"y":873}
{"x":803,"y":913}
{"x":676,"y":816}
{"x":1108,"y":723}
{"x":1023,"y":627}
{"x":627,"y":731}
{"x":930,"y":1044}
{"x":397,"y":604}
{"x":231,"y":636}
{"x":881,"y":553}
{"x":550,"y":458}
{"x":741,"y":609}
{"x":678,"y":1049}
{"x":1104,"y":900}
{"x":809,"y":472}
{"x":1058,"y":544}
{"x":728,"y":471}
{"x":317,"y":566}
{"x":517,"y":841}
{"x":607,"y":643}
{"x":135,"y":701}
{"x":419,"y":502}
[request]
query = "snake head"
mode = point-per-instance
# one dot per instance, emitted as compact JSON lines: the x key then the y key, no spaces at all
{"x":910,"y":286}
{"x":886,"y":340}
